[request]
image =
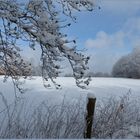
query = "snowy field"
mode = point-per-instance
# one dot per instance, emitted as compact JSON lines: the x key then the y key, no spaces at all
{"x":71,"y":114}
{"x":100,"y":87}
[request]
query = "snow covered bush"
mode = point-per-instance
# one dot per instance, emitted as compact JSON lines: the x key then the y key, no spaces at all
{"x":37,"y":23}
{"x":65,"y":120}
{"x":114,"y":118}
{"x":128,"y":66}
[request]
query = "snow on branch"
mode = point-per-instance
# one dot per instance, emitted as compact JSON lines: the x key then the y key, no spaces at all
{"x":38,"y":23}
{"x":69,"y":5}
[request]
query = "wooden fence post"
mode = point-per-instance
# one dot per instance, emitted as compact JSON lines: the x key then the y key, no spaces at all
{"x":89,"y":116}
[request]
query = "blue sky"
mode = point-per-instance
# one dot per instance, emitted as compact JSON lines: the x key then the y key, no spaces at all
{"x":108,"y":33}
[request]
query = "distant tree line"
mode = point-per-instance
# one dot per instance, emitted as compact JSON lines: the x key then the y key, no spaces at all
{"x":128,"y":66}
{"x":92,"y":74}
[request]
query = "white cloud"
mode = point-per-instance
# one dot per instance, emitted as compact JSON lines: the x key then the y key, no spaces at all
{"x":105,"y":49}
{"x":102,"y":40}
{"x":132,"y":25}
{"x":130,"y":31}
{"x":106,"y":40}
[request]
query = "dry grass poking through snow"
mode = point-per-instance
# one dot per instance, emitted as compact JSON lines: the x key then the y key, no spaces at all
{"x":114,"y":118}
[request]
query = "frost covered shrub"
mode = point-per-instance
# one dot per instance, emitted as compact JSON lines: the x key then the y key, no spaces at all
{"x":37,"y":23}
{"x":45,"y":121}
{"x":117,"y":118}
{"x":128,"y":66}
{"x":114,"y":118}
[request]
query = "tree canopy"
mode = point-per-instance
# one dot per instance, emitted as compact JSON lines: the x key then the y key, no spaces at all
{"x":128,"y":66}
{"x":38,"y":23}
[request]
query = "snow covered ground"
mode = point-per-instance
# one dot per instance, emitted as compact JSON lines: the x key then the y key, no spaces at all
{"x":100,"y":87}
